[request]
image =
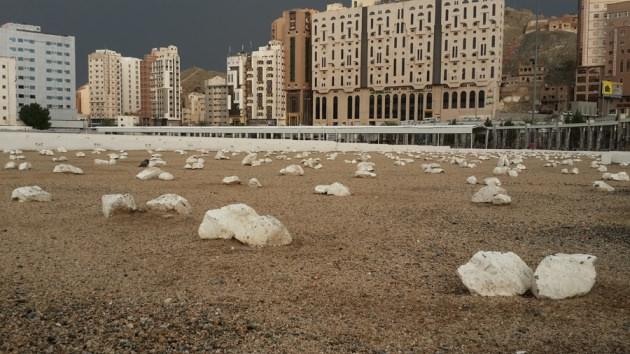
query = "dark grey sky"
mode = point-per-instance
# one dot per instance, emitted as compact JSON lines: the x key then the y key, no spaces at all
{"x":202,"y":29}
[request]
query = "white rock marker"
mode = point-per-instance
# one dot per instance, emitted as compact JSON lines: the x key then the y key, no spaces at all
{"x":471,"y":180}
{"x":31,"y":194}
{"x":11,"y":165}
{"x":241,"y":222}
{"x":166,"y":176}
{"x":113,"y":203}
{"x":149,"y":173}
{"x":563,"y":276}
{"x":336,"y":189}
{"x":603,"y":186}
{"x":364,"y":174}
{"x":254,"y":183}
{"x":492,"y":181}
{"x":487,"y":194}
{"x":25,"y":166}
{"x":221,"y":155}
{"x":249,"y":159}
{"x":496,"y":274}
{"x":232,"y":180}
{"x":68,"y":169}
{"x":170,"y":203}
{"x":292,"y":170}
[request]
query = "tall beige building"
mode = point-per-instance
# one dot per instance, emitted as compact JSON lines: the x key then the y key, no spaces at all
{"x":130,"y":85}
{"x":166,"y":86}
{"x":216,"y":100}
{"x":104,"y":77}
{"x":592,"y":33}
{"x":294,"y":30}
{"x":384,"y":62}
{"x":195,"y":111}
{"x":8,"y":95}
{"x":264,"y":88}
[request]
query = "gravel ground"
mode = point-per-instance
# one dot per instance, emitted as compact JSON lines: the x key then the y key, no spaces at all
{"x":371,"y":273}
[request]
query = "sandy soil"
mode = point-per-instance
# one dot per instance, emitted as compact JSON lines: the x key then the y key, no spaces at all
{"x":371,"y":273}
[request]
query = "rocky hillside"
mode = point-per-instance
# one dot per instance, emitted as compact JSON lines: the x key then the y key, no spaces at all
{"x":557,"y":49}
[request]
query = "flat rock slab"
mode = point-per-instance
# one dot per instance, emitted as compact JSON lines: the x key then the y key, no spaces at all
{"x":31,"y":194}
{"x":563,"y":276}
{"x":170,"y":203}
{"x":496,"y":274}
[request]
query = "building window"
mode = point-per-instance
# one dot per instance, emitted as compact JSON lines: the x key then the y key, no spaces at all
{"x":317,"y":108}
{"x":357,"y":107}
{"x":420,"y":106}
{"x":349,"y":108}
{"x":324,"y":108}
{"x":335,"y":107}
{"x":454,"y":100}
{"x":387,"y":107}
{"x":403,"y":107}
{"x":429,"y":101}
{"x":445,"y":100}
{"x":379,"y":107}
{"x":292,"y":59}
{"x":472,"y":100}
{"x":412,"y":107}
{"x":395,"y":107}
{"x":482,"y":99}
{"x":462,"y":100}
{"x":372,"y":106}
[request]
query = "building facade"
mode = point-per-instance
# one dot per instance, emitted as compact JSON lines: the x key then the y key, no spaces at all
{"x":166,"y":88}
{"x":104,"y":73}
{"x":195,"y":112}
{"x":617,"y":67}
{"x":294,"y":30}
{"x":217,"y":101}
{"x":384,"y":62}
{"x":264,"y":88}
{"x":236,"y":79}
{"x":130,"y":85}
{"x":45,"y":68}
{"x":83,"y":100}
{"x":8,"y":95}
{"x":592,"y":32}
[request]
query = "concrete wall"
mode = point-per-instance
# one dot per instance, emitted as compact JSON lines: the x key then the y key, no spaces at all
{"x":36,"y":141}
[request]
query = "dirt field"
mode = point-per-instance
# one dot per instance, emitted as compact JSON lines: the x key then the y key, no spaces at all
{"x":371,"y":273}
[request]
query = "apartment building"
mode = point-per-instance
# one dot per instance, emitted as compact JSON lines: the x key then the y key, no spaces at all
{"x":83,"y":100}
{"x":104,"y":73}
{"x":146,"y":95}
{"x":217,"y":101}
{"x":45,"y":68}
{"x":236,"y":79}
{"x":617,"y":67}
{"x":8,"y":96}
{"x":382,"y":62}
{"x":195,"y":111}
{"x":264,"y":88}
{"x":294,"y":29}
{"x":592,"y":32}
{"x":130,"y":85}
{"x":166,"y":86}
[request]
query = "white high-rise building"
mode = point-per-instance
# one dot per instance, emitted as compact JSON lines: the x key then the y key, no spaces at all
{"x":593,"y":33}
{"x":385,"y":61}
{"x":8,"y":104}
{"x":104,"y":72}
{"x":166,"y":86}
{"x":45,"y":68}
{"x":236,"y":71}
{"x":266,"y":98}
{"x":130,"y":85}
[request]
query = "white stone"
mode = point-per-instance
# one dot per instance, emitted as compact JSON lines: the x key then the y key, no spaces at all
{"x":575,"y":171}
{"x":232,"y":180}
{"x":434,"y":171}
{"x":11,"y":165}
{"x":335,"y":189}
{"x":503,"y":162}
{"x":170,"y":203}
{"x":68,"y":169}
{"x":149,"y":173}
{"x":619,"y":177}
{"x":487,"y":194}
{"x":25,"y":166}
{"x":565,"y":171}
{"x":365,"y":166}
{"x":563,"y":276}
{"x":471,"y":180}
{"x":80,"y":154}
{"x":221,"y":155}
{"x":249,"y":159}
{"x":254,"y":183}
{"x":602,"y":169}
{"x":113,"y":203}
{"x":603,"y":186}
{"x":99,"y":162}
{"x":165,"y":176}
{"x":501,"y":170}
{"x":492,"y":181}
{"x":513,"y":173}
{"x":364,"y":174}
{"x":62,"y":150}
{"x":60,"y":159}
{"x":496,"y":274}
{"x":502,"y":199}
{"x":31,"y":194}
{"x":241,"y":222}
{"x":292,"y":170}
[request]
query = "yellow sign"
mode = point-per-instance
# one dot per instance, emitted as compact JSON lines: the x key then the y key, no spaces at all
{"x":612,"y":89}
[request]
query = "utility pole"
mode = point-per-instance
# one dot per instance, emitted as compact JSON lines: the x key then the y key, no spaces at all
{"x":536,"y":41}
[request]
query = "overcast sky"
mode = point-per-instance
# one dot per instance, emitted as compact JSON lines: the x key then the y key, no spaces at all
{"x":202,"y":29}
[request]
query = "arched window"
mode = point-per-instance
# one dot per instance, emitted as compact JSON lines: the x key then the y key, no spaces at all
{"x":335,"y":107}
{"x":403,"y":107}
{"x":445,"y":101}
{"x":395,"y":107}
{"x":388,"y":110}
{"x":372,"y":106}
{"x":379,"y":107}
{"x":324,"y":108}
{"x":472,"y":100}
{"x":318,"y":108}
{"x":462,"y":100}
{"x":412,"y":107}
{"x":357,"y":107}
{"x":349,"y":108}
{"x":420,"y":106}
{"x":482,"y":99}
{"x":454,"y":100}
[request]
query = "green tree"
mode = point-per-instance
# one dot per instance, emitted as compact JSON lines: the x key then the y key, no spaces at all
{"x":35,"y":116}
